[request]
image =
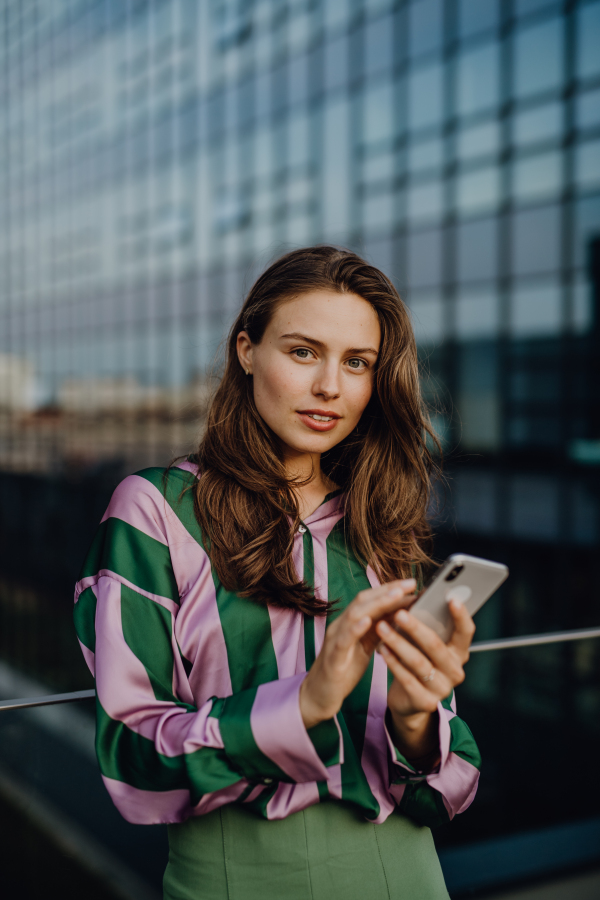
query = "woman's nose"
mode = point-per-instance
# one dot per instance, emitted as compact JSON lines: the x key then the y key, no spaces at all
{"x":327,"y":384}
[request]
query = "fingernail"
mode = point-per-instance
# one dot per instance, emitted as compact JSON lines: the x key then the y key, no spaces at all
{"x":396,"y":592}
{"x":402,"y":616}
{"x":409,"y":583}
{"x":384,"y":627}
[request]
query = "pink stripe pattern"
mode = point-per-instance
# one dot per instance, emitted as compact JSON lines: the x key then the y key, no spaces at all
{"x":172,"y":695}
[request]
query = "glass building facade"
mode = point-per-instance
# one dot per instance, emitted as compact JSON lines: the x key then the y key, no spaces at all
{"x":154,"y":156}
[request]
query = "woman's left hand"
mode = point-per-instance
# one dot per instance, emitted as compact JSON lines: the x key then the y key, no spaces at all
{"x":425,"y":671}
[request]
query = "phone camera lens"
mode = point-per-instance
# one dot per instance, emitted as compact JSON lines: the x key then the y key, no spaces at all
{"x":453,"y":573}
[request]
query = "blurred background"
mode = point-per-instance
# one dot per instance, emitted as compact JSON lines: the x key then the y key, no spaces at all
{"x":155,"y":155}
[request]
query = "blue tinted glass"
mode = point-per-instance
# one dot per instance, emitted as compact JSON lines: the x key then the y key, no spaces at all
{"x":425,"y":202}
{"x":424,"y":257}
{"x":522,"y":7}
{"x":424,"y":26}
{"x":587,"y":165}
{"x":426,"y":155}
{"x":539,"y":58}
{"x":298,"y":79}
{"x":477,"y":249}
{"x":477,"y":15}
{"x":535,"y":239}
{"x":478,"y":79}
{"x":336,"y":63}
{"x":537,"y":176}
{"x":425,"y":95}
{"x":542,"y":124}
{"x":588,"y":41}
{"x":379,"y":37}
{"x":478,"y":191}
{"x":378,"y":114}
{"x":479,"y":140}
{"x":588,"y":110}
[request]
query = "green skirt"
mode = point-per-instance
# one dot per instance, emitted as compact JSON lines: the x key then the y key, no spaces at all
{"x":325,"y":852}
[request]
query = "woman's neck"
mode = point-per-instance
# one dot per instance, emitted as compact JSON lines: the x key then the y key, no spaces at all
{"x":310,"y":495}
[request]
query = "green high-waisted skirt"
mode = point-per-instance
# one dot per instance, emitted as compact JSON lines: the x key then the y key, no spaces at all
{"x":325,"y":852}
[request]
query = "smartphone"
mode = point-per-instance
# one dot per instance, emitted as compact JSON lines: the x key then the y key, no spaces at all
{"x":468,"y":579}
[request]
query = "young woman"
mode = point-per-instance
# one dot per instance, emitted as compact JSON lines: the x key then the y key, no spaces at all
{"x":261,"y":686}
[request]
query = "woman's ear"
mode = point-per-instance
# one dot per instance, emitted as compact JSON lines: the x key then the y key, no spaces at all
{"x":244,"y":352}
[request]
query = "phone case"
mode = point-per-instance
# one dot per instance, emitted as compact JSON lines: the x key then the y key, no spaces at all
{"x":468,"y":579}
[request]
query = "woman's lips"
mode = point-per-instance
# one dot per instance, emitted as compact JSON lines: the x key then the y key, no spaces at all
{"x":315,"y":424}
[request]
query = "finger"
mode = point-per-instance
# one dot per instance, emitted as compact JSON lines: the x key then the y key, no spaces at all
{"x":383,"y":601}
{"x":464,"y":629}
{"x":398,"y":589}
{"x":443,"y":657}
{"x":419,"y":697}
{"x":414,"y":660}
{"x":344,"y":634}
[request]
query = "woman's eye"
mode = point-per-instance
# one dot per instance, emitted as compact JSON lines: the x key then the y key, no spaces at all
{"x":302,"y":353}
{"x":356,"y":363}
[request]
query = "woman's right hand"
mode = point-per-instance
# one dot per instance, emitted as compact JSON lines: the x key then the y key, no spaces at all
{"x":349,"y":643}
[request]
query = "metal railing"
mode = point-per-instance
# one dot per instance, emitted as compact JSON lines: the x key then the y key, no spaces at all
{"x":530,"y":640}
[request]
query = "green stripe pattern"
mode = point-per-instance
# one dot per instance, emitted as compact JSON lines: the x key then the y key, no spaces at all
{"x":147,"y":572}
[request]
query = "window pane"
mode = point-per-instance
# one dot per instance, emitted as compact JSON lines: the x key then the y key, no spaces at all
{"x":478,"y":190}
{"x":588,"y":40}
{"x":336,"y":63}
{"x":523,"y":7}
{"x":536,"y":240}
{"x":477,"y":313}
{"x":379,"y":36}
{"x":535,"y":310}
{"x":538,"y":58}
{"x":426,"y":155}
{"x":587,"y":226}
{"x":427,"y":314}
{"x":480,"y":140}
{"x":298,"y":143}
{"x":424,"y":26}
{"x":478,"y":79}
{"x":379,"y":168}
{"x":587,"y":165}
{"x":588,"y":110}
{"x":298,"y":79}
{"x":477,"y":250}
{"x":378,"y":124}
{"x":378,"y":212}
{"x":476,"y":15}
{"x":537,"y":176}
{"x":424,"y":258}
{"x":424,"y":201}
{"x":541,"y":124}
{"x":425,"y":95}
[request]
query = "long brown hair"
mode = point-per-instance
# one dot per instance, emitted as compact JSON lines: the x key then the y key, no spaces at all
{"x":244,"y":499}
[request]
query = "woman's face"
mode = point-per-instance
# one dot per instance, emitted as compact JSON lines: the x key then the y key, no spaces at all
{"x":313,"y":371}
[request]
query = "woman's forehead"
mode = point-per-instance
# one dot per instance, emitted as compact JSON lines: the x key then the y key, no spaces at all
{"x":328,"y":318}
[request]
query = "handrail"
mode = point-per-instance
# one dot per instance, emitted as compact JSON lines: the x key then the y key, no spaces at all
{"x":530,"y":640}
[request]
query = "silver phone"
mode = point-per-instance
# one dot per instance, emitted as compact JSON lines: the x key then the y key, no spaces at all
{"x":468,"y":579}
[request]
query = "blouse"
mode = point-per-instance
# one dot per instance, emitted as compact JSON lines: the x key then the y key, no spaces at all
{"x":197,"y":688}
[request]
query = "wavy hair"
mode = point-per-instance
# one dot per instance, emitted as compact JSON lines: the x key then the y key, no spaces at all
{"x":244,"y":500}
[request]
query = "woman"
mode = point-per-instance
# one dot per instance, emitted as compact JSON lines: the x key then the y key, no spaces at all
{"x":232,"y":606}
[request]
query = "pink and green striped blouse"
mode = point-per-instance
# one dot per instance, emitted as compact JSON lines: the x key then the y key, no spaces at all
{"x":197,"y":688}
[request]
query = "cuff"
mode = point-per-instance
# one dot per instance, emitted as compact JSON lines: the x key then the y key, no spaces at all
{"x":265,"y":737}
{"x":401,"y":770}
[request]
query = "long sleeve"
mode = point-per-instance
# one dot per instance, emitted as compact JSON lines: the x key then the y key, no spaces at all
{"x":164,"y":757}
{"x":435,"y":798}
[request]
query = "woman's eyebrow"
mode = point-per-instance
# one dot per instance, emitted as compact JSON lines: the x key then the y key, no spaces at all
{"x":295,"y":335}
